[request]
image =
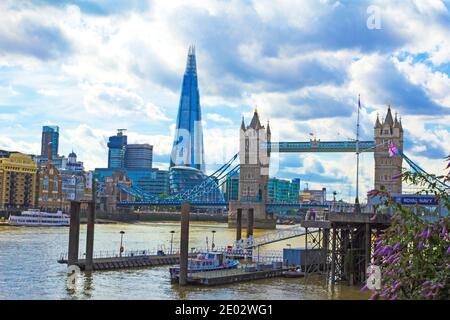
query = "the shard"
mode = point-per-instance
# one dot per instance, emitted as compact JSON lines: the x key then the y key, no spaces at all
{"x":187,"y":147}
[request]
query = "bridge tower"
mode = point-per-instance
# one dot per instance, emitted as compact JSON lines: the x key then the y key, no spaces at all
{"x":386,"y":167}
{"x":253,"y":179}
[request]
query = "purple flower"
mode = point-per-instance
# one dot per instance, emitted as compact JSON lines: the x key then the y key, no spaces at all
{"x":397,"y":245}
{"x":363,"y":288}
{"x":374,"y":296}
{"x":448,"y":250}
{"x":420,"y":245}
{"x":428,"y":233}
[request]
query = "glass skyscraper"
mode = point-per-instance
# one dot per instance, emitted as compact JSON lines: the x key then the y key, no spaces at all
{"x":138,"y":157}
{"x":187,"y":147}
{"x":50,"y":134}
{"x":116,"y":152}
{"x":187,"y":161}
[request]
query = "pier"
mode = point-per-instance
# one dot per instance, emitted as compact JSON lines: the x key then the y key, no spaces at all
{"x":110,"y":262}
{"x":212,"y":278}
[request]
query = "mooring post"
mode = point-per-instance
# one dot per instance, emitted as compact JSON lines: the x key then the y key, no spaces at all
{"x":250,"y":216}
{"x":89,"y":265}
{"x":333,"y":258}
{"x":306,"y":253}
{"x":184,"y":243}
{"x":368,"y":245}
{"x":74,"y":233}
{"x":325,"y":246}
{"x":238,"y":224}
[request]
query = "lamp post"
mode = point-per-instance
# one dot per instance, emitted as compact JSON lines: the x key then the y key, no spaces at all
{"x":121,"y":242}
{"x":171,"y":240}
{"x":212,"y":243}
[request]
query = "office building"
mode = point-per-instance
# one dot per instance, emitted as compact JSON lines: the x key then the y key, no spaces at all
{"x":17,"y":181}
{"x":49,"y":188}
{"x":138,"y":156}
{"x":283,"y":190}
{"x":313,"y":196}
{"x":187,"y":147}
{"x":50,"y":141}
{"x":72,"y":164}
{"x":230,"y":188}
{"x":116,"y":150}
{"x":153,"y":181}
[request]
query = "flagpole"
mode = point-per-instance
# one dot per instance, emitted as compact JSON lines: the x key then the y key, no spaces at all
{"x":357,"y":207}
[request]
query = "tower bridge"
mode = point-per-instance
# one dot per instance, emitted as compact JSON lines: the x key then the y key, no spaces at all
{"x":255,"y":148}
{"x":341,"y":236}
{"x":321,"y":146}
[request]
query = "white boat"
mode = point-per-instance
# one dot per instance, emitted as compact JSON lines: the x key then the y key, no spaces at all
{"x":36,"y":218}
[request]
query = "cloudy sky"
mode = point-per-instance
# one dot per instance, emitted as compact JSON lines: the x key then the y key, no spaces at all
{"x":94,"y":66}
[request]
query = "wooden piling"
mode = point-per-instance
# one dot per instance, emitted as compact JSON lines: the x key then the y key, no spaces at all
{"x":368,"y":246}
{"x":184,"y":243}
{"x":74,"y":233}
{"x":90,"y":236}
{"x":333,"y":257}
{"x":238,"y":224}
{"x":250,"y":218}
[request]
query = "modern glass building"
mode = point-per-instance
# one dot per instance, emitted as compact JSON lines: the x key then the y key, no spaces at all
{"x":138,"y":156}
{"x":153,"y":181}
{"x":187,"y":147}
{"x":182,"y":179}
{"x":50,"y":135}
{"x":231,"y":188}
{"x":116,"y":152}
{"x":294,"y":191}
{"x":281,"y":190}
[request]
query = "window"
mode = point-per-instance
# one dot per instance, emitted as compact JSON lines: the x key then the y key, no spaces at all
{"x":45,"y":183}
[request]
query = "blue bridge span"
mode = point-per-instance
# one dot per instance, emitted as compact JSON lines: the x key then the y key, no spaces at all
{"x":198,"y":196}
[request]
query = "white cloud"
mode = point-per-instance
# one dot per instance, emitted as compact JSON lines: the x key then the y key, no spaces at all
{"x":125,"y":70}
{"x":218,"y":118}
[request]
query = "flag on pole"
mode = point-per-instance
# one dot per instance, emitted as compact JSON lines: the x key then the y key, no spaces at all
{"x":392,"y":150}
{"x":359,"y":101}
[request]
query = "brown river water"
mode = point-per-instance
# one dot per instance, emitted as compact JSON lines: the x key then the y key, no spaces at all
{"x":29,"y":268}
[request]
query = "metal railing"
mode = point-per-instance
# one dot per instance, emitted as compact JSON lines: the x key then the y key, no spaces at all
{"x":104,"y":254}
{"x":242,"y":253}
{"x":279,"y":235}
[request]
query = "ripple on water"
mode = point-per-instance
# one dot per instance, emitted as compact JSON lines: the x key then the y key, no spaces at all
{"x":30,"y":271}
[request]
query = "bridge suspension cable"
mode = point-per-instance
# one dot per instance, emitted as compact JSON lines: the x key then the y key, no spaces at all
{"x":417,"y":168}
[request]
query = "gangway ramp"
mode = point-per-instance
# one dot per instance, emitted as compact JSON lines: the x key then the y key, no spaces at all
{"x":271,"y":237}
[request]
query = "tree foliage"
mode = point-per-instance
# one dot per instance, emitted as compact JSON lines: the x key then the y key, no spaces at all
{"x":414,"y":252}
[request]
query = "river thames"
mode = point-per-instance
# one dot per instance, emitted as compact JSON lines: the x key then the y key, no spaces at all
{"x":29,"y":268}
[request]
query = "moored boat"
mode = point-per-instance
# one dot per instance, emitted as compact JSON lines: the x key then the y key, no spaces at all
{"x":294,"y":273}
{"x":206,"y":262}
{"x":36,"y":218}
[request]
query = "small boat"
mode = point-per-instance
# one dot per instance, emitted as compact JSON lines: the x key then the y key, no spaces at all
{"x":294,"y":273}
{"x":206,"y":262}
{"x":36,"y":218}
{"x":4,"y":222}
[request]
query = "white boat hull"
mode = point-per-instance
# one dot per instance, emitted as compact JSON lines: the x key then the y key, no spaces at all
{"x":33,"y":218}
